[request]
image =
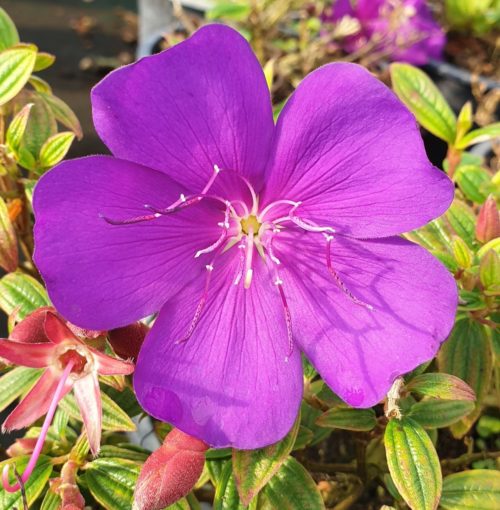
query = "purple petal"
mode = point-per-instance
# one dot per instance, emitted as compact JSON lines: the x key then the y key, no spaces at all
{"x":229,"y":384}
{"x":99,"y":275}
{"x":350,"y":150}
{"x":88,"y":398}
{"x":204,"y":102}
{"x":359,"y":352}
{"x":36,"y":403}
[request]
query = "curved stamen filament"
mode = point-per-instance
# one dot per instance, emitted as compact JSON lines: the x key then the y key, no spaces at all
{"x":337,"y":278}
{"x":41,"y":438}
{"x":200,"y":307}
{"x":255,"y":200}
{"x":225,"y":227}
{"x":266,"y":209}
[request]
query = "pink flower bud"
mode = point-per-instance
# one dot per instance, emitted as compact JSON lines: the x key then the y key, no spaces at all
{"x":22,"y":446}
{"x":170,"y":472}
{"x":488,"y":221}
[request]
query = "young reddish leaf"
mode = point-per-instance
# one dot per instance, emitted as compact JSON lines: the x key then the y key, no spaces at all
{"x":439,"y":385}
{"x":170,"y":472}
{"x":127,"y":341}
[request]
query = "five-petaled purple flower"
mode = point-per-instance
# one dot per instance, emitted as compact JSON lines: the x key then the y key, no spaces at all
{"x":254,"y":241}
{"x":404,"y":30}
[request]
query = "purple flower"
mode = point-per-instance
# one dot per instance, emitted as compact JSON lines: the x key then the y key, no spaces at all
{"x":403,"y":29}
{"x":254,"y":242}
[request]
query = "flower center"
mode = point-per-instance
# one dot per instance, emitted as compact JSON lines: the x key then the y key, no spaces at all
{"x":250,"y":223}
{"x":80,"y":360}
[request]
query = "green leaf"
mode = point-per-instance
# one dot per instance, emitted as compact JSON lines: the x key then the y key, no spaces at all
{"x":112,"y":482}
{"x":51,"y":501}
{"x":226,"y":494}
{"x":292,"y":488}
{"x":473,"y":181}
{"x":422,"y":97}
{"x":40,"y":85}
{"x":8,"y":31}
{"x":464,"y":122}
{"x":478,"y":489}
{"x":494,"y":244}
{"x":55,"y":148}
{"x":437,"y":385}
{"x":63,"y":113}
{"x":17,"y":128}
{"x":480,"y":135}
{"x":16,"y":65}
{"x":41,"y":126}
{"x":21,"y":292}
{"x":15,"y":383}
{"x":43,"y":60}
{"x":236,"y":11}
{"x":29,"y":186}
{"x":125,"y":451}
{"x":436,"y":414}
{"x":113,"y":416}
{"x":489,"y":273}
{"x":254,"y":468}
{"x":413,"y":464}
{"x":463,"y":221}
{"x":309,"y":415}
{"x":463,"y":254}
{"x":468,"y":355}
{"x":34,"y":486}
{"x":348,"y":418}
{"x":8,"y":240}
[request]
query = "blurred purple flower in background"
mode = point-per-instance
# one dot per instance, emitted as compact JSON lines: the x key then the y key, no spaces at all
{"x":404,"y":30}
{"x":254,"y":242}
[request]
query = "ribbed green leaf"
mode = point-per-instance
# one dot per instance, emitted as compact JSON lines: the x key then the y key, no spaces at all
{"x":55,"y":148}
{"x":16,"y":382}
{"x":16,"y":65}
{"x":348,"y":419}
{"x":480,"y":135}
{"x":41,"y":126}
{"x":463,"y":221}
{"x":422,"y":97}
{"x":478,"y":489}
{"x":445,"y":386}
{"x":43,"y":60}
{"x":489,"y":273}
{"x":468,"y":355}
{"x":17,"y":128}
{"x":436,"y":414}
{"x":463,"y":254}
{"x":254,"y":468}
{"x":226,"y":494}
{"x":291,"y":488}
{"x":8,"y":31}
{"x":125,"y":451}
{"x":113,"y":416}
{"x":51,"y":501}
{"x":473,"y":181}
{"x":63,"y":113}
{"x":413,"y":464}
{"x":8,"y":240}
{"x":40,"y":85}
{"x":21,"y":292}
{"x":112,"y":482}
{"x":34,"y":486}
{"x":464,"y":121}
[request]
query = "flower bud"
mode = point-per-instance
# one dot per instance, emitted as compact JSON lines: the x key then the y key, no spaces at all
{"x":488,"y":221}
{"x":127,"y":341}
{"x":22,"y":446}
{"x":170,"y":472}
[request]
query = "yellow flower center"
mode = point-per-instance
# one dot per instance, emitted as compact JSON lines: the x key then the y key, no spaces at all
{"x":250,"y":222}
